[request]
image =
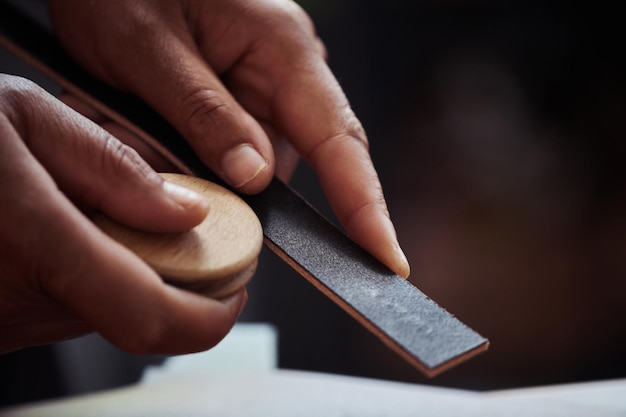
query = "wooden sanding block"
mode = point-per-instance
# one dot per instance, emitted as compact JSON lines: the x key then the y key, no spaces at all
{"x":414,"y":326}
{"x":216,"y":258}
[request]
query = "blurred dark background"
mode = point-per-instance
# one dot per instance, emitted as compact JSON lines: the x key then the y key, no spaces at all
{"x":498,"y":134}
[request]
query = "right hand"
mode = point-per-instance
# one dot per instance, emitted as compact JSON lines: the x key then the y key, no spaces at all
{"x":246,"y":84}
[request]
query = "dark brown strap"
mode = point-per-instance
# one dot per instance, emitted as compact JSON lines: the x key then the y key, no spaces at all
{"x":404,"y":318}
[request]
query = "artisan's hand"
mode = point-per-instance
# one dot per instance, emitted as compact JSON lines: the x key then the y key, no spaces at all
{"x":236,"y":77}
{"x":59,"y":275}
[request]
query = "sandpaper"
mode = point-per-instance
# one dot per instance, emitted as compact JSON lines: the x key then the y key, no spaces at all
{"x":414,"y":326}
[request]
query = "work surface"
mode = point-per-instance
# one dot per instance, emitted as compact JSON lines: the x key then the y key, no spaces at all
{"x":288,"y":393}
{"x":239,"y":378}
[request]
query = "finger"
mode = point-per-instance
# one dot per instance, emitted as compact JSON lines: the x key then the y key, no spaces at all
{"x":97,"y":171}
{"x":156,"y":160}
{"x":94,"y":277}
{"x":285,"y":155}
{"x":311,"y":108}
{"x":174,"y":79}
{"x":301,"y":97}
{"x":121,"y":297}
{"x":128,"y":304}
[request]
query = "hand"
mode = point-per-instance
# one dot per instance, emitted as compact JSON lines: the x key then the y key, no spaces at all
{"x":62,"y":277}
{"x":235,"y":78}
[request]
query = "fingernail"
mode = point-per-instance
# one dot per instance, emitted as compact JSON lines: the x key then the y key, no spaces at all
{"x":242,"y":164}
{"x":184,"y":196}
{"x":402,"y":264}
{"x":398,"y":262}
{"x":389,"y":249}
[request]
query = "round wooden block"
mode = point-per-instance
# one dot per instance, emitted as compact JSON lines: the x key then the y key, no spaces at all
{"x":216,"y":258}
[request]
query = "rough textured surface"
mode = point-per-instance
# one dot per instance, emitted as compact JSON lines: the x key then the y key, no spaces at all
{"x":387,"y":304}
{"x":403,"y":317}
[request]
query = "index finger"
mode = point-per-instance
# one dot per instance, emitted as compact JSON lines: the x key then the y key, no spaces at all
{"x":314,"y":112}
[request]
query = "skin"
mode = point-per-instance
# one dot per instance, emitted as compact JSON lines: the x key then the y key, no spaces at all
{"x":61,"y":276}
{"x":246,"y":83}
{"x":238,"y":78}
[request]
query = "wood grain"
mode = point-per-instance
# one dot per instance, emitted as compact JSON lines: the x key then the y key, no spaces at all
{"x":216,"y":258}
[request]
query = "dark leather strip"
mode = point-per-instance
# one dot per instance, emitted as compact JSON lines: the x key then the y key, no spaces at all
{"x":414,"y":326}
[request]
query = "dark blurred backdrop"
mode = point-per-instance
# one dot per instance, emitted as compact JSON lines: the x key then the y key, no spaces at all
{"x":498,"y":134}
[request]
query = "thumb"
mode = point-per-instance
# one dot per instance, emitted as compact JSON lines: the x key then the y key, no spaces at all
{"x":151,"y":51}
{"x":98,"y":172}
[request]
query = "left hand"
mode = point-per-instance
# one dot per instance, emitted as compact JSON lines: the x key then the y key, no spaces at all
{"x":60,"y":276}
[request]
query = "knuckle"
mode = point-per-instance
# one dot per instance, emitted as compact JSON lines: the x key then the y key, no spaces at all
{"x":355,"y":130}
{"x":118,"y":159}
{"x":365,"y":210}
{"x":14,"y":86}
{"x":286,"y":17}
{"x":17,"y":94}
{"x":202,"y":110}
{"x":291,"y":11}
{"x":352,"y":131}
{"x":114,"y":153}
{"x":321,"y":48}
